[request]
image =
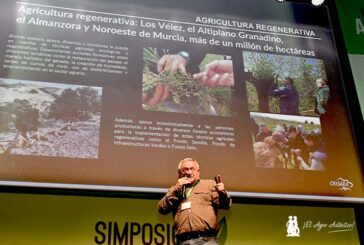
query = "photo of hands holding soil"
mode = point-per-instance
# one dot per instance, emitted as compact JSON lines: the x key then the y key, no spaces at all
{"x":169,"y":85}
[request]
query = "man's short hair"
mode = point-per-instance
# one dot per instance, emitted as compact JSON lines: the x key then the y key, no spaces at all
{"x":186,"y":160}
{"x":289,"y":79}
{"x":322,"y":80}
{"x":292,"y":129}
{"x":279,"y":137}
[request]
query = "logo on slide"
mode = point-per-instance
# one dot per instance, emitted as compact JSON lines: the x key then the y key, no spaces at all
{"x":292,"y":227}
{"x":342,"y":184}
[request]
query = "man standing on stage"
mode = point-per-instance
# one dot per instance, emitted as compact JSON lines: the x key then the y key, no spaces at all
{"x":194,"y":203}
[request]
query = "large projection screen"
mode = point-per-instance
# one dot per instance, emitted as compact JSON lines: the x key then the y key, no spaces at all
{"x":111,"y":95}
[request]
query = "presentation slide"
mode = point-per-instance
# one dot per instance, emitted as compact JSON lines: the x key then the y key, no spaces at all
{"x":113,"y":94}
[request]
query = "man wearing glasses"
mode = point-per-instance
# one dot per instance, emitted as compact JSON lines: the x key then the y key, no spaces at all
{"x":194,"y":203}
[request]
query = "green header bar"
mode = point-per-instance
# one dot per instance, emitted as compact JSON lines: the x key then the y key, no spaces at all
{"x":351,"y":15}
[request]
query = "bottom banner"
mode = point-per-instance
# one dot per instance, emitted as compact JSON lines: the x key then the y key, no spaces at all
{"x":49,"y":219}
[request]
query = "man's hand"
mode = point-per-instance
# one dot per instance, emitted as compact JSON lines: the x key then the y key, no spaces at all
{"x":217,"y":73}
{"x":160,"y":94}
{"x":296,"y":152}
{"x":171,"y":64}
{"x":183,"y":181}
{"x":220,"y":187}
{"x":299,"y":159}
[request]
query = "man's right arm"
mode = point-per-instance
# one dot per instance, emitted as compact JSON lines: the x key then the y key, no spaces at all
{"x":278,"y":92}
{"x":170,"y":201}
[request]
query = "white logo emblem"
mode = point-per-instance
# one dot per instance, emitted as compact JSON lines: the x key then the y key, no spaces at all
{"x":343,"y":184}
{"x":292,"y":227}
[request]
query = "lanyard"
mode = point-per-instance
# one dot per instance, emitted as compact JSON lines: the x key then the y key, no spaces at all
{"x":188,"y":194}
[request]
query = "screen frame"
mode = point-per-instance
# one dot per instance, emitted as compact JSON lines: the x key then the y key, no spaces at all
{"x":352,"y":107}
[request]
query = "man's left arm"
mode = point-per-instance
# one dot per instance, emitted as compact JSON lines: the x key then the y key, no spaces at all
{"x":223,"y":200}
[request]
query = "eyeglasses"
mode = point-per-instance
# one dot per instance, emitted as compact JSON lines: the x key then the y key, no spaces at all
{"x":192,"y":169}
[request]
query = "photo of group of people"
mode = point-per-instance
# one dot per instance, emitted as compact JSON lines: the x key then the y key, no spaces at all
{"x":49,"y":119}
{"x":290,"y":142}
{"x":286,"y":97}
{"x":184,"y":82}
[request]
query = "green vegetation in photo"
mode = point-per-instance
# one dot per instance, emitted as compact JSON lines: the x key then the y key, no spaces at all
{"x":304,"y":71}
{"x":184,"y":88}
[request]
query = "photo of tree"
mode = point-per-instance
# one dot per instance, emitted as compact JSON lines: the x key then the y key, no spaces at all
{"x":282,"y":84}
{"x":49,"y":119}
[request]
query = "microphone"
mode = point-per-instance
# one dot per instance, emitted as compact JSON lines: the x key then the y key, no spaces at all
{"x":184,"y":189}
{"x":184,"y":192}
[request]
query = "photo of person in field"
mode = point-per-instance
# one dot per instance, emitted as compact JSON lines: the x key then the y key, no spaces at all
{"x":284,"y":84}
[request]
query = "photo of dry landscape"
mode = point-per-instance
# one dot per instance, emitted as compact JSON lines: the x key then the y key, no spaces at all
{"x":49,"y":119}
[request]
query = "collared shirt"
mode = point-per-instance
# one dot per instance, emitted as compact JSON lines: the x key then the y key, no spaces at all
{"x":202,"y":215}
